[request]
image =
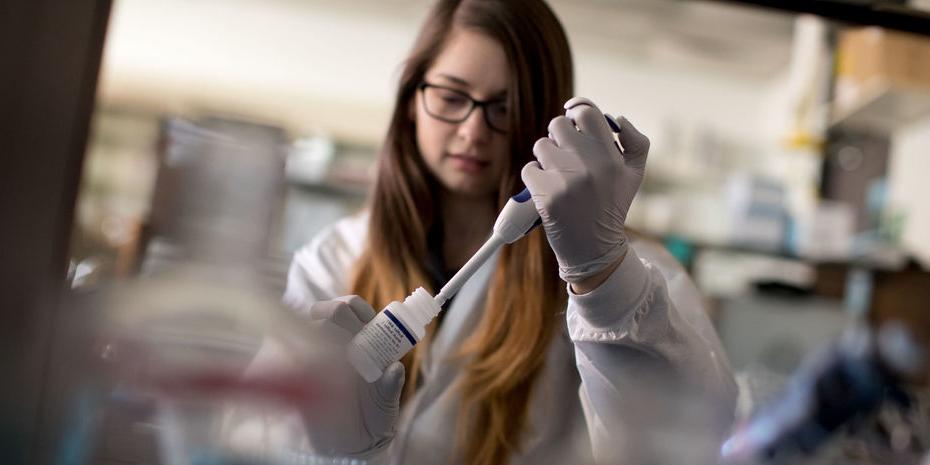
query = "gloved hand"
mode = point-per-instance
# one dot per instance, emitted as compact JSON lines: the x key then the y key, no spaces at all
{"x":583,"y":186}
{"x":362,"y":423}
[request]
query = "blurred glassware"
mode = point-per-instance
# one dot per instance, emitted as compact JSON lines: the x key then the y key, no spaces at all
{"x":173,"y":345}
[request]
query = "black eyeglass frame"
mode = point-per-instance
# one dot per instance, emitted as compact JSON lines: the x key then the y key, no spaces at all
{"x":483,"y":104}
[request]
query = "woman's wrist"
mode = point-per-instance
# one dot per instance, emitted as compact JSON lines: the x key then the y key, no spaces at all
{"x":593,"y":282}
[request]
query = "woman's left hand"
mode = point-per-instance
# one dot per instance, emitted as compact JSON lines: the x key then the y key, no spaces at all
{"x":360,"y":419}
{"x":583,"y":185}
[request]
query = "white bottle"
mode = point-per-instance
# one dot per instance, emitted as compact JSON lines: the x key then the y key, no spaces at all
{"x":391,"y":334}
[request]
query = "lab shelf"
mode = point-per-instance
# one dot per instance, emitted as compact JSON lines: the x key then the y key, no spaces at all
{"x":882,"y":108}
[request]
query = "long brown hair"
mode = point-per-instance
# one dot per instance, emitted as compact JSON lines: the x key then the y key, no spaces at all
{"x":508,"y":348}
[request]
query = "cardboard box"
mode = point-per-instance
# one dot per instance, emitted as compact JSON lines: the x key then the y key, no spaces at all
{"x":897,"y":59}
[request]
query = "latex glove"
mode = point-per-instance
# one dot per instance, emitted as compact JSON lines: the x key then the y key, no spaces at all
{"x":583,"y":185}
{"x":362,"y":423}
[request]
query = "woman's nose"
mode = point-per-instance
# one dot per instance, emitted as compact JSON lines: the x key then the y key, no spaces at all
{"x":475,"y":128}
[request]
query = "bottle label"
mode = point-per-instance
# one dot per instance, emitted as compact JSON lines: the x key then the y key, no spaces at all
{"x":386,"y":339}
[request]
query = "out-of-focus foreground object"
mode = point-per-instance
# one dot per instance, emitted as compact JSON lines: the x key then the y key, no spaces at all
{"x":51,"y":55}
{"x":840,"y":390}
{"x":164,"y":355}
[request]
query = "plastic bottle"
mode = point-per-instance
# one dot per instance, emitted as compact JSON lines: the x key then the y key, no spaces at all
{"x":391,"y":334}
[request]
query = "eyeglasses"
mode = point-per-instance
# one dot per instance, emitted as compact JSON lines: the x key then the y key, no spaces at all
{"x":454,"y":106}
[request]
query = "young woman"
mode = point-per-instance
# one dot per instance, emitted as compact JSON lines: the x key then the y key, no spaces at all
{"x":520,"y":368}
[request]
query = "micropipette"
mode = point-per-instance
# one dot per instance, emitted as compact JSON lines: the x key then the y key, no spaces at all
{"x":516,"y":219}
{"x":394,"y":331}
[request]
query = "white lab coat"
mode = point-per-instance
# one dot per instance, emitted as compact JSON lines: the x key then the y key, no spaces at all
{"x":635,"y":375}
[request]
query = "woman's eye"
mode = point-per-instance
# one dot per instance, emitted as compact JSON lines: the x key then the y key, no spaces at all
{"x":453,"y":99}
{"x":498,"y":109}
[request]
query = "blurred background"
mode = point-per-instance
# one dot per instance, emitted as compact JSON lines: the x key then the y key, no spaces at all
{"x":788,"y":171}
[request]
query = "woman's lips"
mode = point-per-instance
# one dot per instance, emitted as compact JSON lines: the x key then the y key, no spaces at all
{"x":467,"y":163}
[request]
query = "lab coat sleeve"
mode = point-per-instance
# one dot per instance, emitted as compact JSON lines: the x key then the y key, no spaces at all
{"x":655,"y":384}
{"x":320,"y":270}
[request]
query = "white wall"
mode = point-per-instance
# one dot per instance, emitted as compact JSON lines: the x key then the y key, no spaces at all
{"x":908,"y":186}
{"x":653,"y":95}
{"x":289,"y":63}
{"x":325,"y":66}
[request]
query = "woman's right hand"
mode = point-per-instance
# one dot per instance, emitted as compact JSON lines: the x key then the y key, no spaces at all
{"x":583,"y":185}
{"x":362,"y":422}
